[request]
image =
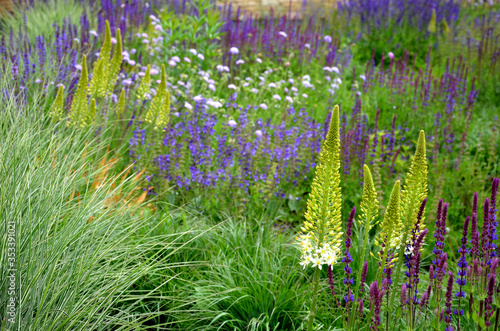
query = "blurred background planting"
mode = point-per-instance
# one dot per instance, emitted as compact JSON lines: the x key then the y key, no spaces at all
{"x":157,"y":156}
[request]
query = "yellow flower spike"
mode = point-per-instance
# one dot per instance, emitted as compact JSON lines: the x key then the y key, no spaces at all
{"x":158,"y":112}
{"x":79,"y":104}
{"x":120,"y":106}
{"x":415,"y":187}
{"x":145,"y":85}
{"x":115,"y":64}
{"x":324,"y":204}
{"x":446,"y":28}
{"x":91,"y":113}
{"x":57,"y":109}
{"x":391,"y":220}
{"x":369,"y":202}
{"x":432,"y":23}
{"x":98,"y":83}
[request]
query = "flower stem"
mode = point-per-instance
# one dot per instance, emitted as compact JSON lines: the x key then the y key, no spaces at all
{"x":314,"y":299}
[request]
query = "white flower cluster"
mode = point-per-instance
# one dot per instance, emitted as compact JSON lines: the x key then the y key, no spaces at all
{"x":317,"y":256}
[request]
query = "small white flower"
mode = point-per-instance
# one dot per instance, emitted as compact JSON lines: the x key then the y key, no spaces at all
{"x":307,"y":45}
{"x":232,"y":123}
{"x":188,"y":105}
{"x":145,"y":41}
{"x":327,"y":69}
{"x":127,"y":82}
{"x":258,"y":60}
{"x":277,"y":97}
{"x":289,"y":99}
{"x":234,"y":50}
{"x":283,"y":34}
{"x":158,"y":27}
{"x":294,"y":89}
{"x":327,"y":39}
{"x":193,"y":51}
{"x":231,"y":86}
{"x":334,"y":86}
{"x":307,"y":84}
{"x":263,"y":106}
{"x":338,"y":81}
{"x":38,"y":81}
{"x":245,"y":84}
{"x":113,"y":40}
{"x":306,"y":77}
{"x":176,"y":59}
{"x":254,"y":90}
{"x":131,"y":62}
{"x":211,"y":87}
{"x":291,"y":81}
{"x":78,"y":67}
{"x":144,"y":35}
{"x":94,"y":33}
{"x":240,"y":62}
{"x":154,"y":71}
{"x":258,"y":133}
{"x":390,"y":55}
{"x":272,"y":85}
{"x":198,"y":98}
{"x":186,"y":59}
{"x":133,"y":51}
{"x":172,"y":63}
{"x":201,"y":57}
{"x":77,"y":40}
{"x":363,"y":77}
{"x":316,"y":262}
{"x":336,"y":70}
{"x":305,"y":95}
{"x":141,"y":73}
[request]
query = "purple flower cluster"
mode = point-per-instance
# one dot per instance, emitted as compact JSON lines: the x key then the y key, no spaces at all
{"x":375,"y":15}
{"x":239,"y":154}
{"x":347,"y":259}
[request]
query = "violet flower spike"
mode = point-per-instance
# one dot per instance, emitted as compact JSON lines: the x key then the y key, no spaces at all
{"x":449,"y":298}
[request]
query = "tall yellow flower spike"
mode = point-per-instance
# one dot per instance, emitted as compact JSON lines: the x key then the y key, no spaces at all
{"x":321,"y":238}
{"x":56,"y":110}
{"x":115,"y":64}
{"x":415,"y":187}
{"x":432,"y":24}
{"x":79,"y":104}
{"x":160,"y":106}
{"x":99,"y":79}
{"x":389,"y":237}
{"x":369,"y":202}
{"x":91,"y":113}
{"x":120,"y":106}
{"x":144,"y":85}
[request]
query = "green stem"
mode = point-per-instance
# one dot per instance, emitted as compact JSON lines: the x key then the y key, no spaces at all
{"x":314,"y":299}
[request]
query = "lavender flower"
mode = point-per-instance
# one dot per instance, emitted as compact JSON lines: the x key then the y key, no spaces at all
{"x":449,"y":298}
{"x":348,"y":280}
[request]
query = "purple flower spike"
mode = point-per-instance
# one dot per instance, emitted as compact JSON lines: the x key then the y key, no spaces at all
{"x":449,"y":298}
{"x":348,"y":280}
{"x":375,"y":301}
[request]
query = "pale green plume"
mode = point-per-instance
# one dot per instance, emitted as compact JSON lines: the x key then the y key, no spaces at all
{"x":369,"y":202}
{"x":446,"y":28}
{"x":390,"y":235}
{"x":415,"y":187}
{"x":145,"y":85}
{"x":158,"y":112}
{"x":91,"y":113}
{"x":57,"y":109}
{"x":115,"y":64}
{"x":432,"y":24}
{"x":120,"y":106}
{"x":79,"y":104}
{"x":98,"y":83}
{"x":323,"y":216}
